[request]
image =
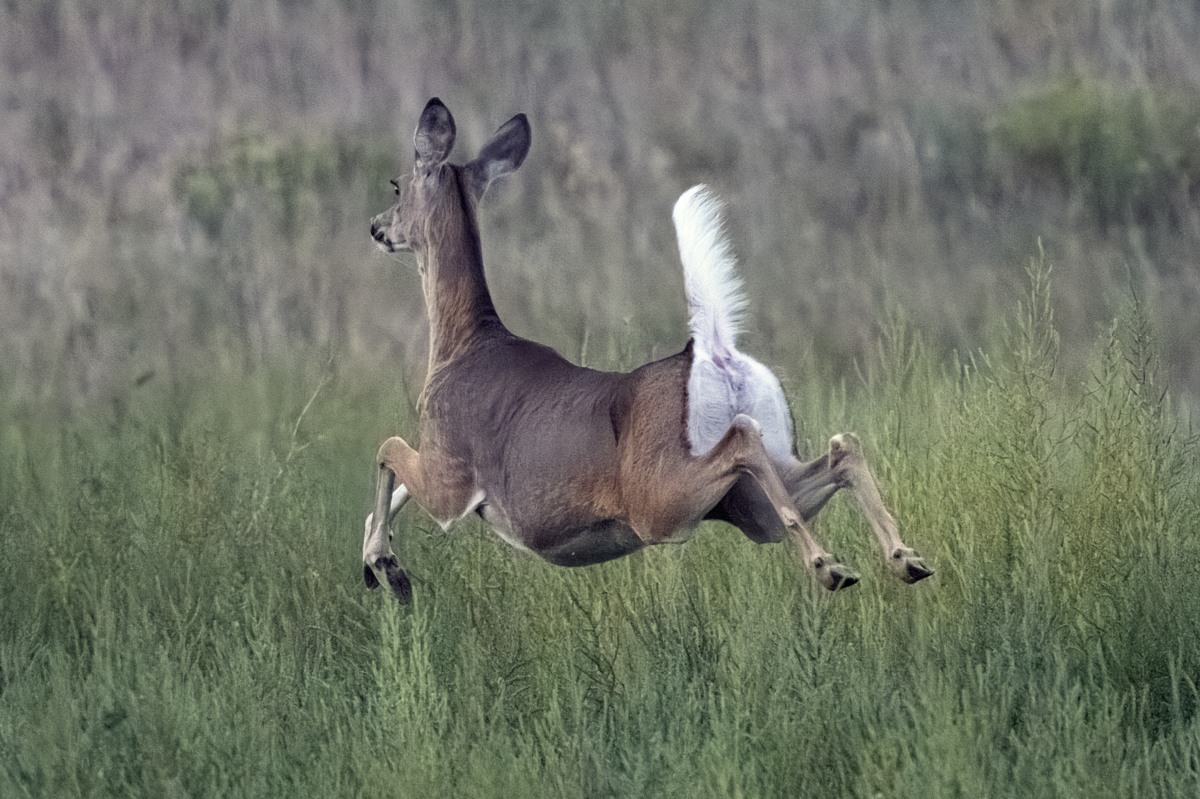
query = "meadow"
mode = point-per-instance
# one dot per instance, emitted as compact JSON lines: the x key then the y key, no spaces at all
{"x":184,"y":613}
{"x":969,"y":234}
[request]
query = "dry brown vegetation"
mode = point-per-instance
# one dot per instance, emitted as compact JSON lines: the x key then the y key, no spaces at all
{"x":186,"y":184}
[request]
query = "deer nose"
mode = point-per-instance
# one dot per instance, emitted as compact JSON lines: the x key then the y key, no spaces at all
{"x":377,"y":233}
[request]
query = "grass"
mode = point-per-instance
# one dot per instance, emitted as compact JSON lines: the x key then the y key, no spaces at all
{"x":183,"y":611}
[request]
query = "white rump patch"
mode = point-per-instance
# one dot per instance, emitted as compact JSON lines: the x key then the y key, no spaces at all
{"x":724,"y":381}
{"x":719,"y":391}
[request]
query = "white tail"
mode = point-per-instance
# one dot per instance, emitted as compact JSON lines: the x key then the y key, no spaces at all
{"x":716,"y":301}
{"x":723,"y":381}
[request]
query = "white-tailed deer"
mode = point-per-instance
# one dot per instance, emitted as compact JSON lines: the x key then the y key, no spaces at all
{"x":577,"y":465}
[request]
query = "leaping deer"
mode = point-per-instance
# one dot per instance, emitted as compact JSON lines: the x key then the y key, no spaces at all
{"x":577,"y":465}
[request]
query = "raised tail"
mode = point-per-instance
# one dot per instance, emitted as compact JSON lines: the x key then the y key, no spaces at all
{"x":716,"y":302}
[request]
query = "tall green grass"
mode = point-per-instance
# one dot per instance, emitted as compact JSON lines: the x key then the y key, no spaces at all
{"x":183,"y":611}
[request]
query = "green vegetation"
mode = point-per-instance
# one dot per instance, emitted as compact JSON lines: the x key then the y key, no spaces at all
{"x":183,"y":612}
{"x":292,"y":179}
{"x":1132,"y":152}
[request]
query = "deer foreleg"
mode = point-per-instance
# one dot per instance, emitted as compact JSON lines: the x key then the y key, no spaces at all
{"x":378,"y":554}
{"x":399,"y":499}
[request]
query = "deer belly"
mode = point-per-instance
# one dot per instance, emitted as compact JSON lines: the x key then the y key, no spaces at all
{"x":569,"y":544}
{"x":584,"y":546}
{"x":498,"y":520}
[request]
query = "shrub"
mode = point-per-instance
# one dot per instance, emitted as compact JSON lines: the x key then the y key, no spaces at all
{"x":1126,"y":149}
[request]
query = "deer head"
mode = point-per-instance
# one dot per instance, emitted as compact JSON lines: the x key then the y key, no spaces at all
{"x":437,"y":185}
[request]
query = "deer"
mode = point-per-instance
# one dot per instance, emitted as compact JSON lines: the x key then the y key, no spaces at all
{"x":577,"y":465}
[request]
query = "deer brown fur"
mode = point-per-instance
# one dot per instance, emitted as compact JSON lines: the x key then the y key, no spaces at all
{"x":576,"y":465}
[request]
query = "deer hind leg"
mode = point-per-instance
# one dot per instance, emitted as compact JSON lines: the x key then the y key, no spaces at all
{"x":397,"y":461}
{"x":758,"y":504}
{"x":811,"y":485}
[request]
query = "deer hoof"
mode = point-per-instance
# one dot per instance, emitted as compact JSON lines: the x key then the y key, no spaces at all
{"x":397,"y":578}
{"x":833,"y":575}
{"x":401,"y":586}
{"x":909,"y":566}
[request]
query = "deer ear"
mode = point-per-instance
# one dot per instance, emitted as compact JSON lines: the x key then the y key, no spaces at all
{"x":435,"y":134}
{"x":503,"y":153}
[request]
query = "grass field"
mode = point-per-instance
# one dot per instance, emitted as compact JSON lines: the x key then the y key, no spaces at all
{"x":194,"y":338}
{"x":183,"y":612}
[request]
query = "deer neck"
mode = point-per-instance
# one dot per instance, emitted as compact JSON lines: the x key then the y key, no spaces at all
{"x":456,"y":294}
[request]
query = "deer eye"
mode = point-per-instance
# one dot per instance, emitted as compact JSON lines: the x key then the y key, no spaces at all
{"x":396,"y":186}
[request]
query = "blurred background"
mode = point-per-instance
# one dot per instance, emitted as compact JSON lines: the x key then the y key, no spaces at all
{"x":186,"y":185}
